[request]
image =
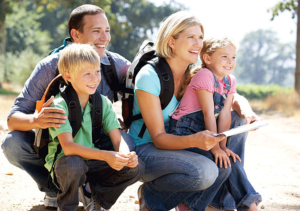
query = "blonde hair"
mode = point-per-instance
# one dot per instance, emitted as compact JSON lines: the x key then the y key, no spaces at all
{"x":211,"y":45}
{"x":172,"y":27}
{"x":76,"y":57}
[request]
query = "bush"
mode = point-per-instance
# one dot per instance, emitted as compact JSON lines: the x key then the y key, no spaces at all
{"x":259,"y":92}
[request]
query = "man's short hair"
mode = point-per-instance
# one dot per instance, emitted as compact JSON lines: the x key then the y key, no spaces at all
{"x":76,"y":57}
{"x":77,"y":15}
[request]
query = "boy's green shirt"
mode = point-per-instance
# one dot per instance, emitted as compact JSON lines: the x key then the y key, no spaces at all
{"x":84,"y":135}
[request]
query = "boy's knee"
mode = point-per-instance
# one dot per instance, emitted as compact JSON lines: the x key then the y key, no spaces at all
{"x":70,"y":165}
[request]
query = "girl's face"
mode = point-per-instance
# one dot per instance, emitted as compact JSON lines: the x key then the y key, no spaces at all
{"x":188,"y":45}
{"x":222,"y":62}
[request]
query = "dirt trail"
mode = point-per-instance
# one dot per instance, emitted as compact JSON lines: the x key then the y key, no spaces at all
{"x":272,"y":163}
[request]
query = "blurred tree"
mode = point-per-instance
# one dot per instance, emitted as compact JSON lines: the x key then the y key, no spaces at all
{"x":292,"y":6}
{"x":262,"y":59}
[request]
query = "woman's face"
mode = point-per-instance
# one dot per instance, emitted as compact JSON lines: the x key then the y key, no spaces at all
{"x":188,"y":44}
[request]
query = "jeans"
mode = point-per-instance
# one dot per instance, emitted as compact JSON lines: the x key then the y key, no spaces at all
{"x":174,"y":176}
{"x":106,"y":183}
{"x":236,"y":192}
{"x":18,"y":148}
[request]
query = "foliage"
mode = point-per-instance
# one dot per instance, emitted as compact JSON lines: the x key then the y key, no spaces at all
{"x":6,"y":92}
{"x":289,"y":5}
{"x":262,"y":59}
{"x":259,"y":92}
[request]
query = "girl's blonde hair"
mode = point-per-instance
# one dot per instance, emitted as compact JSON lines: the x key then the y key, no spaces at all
{"x":211,"y":45}
{"x":76,"y":57}
{"x":172,"y":27}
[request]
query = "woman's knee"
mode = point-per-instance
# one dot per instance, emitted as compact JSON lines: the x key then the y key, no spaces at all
{"x":207,"y":173}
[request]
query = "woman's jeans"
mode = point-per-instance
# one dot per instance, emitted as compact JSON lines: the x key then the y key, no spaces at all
{"x":236,"y":192}
{"x":18,"y":148}
{"x":106,"y":183}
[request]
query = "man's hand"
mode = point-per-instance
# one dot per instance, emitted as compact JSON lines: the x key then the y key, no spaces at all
{"x":251,"y":117}
{"x":49,"y":117}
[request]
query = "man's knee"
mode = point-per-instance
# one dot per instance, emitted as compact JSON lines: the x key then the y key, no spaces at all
{"x":236,"y":120}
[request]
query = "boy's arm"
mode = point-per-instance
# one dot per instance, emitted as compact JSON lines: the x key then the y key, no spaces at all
{"x":121,"y":146}
{"x":207,"y":105}
{"x":70,"y":148}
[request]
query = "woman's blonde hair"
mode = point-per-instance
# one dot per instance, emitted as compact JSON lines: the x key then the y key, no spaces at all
{"x":211,"y":45}
{"x":76,"y":57}
{"x":172,"y":27}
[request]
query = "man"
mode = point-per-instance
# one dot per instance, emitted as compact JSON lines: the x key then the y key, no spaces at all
{"x":87,"y":24}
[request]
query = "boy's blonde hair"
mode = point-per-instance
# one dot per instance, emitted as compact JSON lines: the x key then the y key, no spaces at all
{"x":172,"y":27}
{"x":211,"y":45}
{"x":76,"y":57}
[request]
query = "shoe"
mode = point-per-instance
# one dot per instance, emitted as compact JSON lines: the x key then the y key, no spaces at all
{"x":94,"y":206}
{"x":82,"y":196}
{"x":142,"y":203}
{"x":50,"y":202}
{"x":182,"y":207}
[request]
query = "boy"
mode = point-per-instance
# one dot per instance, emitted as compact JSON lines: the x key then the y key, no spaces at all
{"x":108,"y":173}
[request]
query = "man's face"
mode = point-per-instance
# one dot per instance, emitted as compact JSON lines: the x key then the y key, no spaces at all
{"x":96,"y":31}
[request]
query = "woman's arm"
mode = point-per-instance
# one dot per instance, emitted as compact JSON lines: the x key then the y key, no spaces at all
{"x":152,"y":114}
{"x":70,"y":148}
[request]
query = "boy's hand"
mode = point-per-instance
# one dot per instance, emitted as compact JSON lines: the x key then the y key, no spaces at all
{"x":232,"y":154}
{"x":220,"y":156}
{"x":117,"y":160}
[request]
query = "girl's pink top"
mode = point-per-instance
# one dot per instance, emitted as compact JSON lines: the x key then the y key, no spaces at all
{"x":203,"y":79}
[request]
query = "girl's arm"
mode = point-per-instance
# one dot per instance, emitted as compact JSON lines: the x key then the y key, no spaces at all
{"x":207,"y":105}
{"x":224,"y":122}
{"x":114,"y":159}
{"x":152,"y":114}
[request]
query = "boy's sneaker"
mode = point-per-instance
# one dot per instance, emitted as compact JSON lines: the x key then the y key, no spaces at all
{"x":82,"y":197}
{"x":50,"y":202}
{"x":94,"y":206}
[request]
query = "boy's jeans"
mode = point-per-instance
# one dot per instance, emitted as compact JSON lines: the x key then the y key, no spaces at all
{"x":18,"y":149}
{"x":237,"y":183}
{"x":106,"y":183}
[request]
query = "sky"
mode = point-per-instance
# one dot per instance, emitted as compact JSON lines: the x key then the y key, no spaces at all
{"x":236,"y":18}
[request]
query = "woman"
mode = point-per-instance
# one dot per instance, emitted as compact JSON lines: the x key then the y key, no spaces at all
{"x":173,"y":175}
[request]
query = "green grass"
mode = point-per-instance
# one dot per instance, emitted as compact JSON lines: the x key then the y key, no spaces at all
{"x":6,"y":92}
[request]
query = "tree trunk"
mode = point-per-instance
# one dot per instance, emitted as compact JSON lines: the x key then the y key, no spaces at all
{"x":297,"y":71}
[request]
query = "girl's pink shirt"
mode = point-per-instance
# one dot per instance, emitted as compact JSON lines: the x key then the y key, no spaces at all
{"x":204,"y":79}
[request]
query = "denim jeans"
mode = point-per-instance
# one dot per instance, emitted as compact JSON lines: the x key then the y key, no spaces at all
{"x":18,"y":148}
{"x":106,"y":183}
{"x":236,"y":192}
{"x":173,"y":176}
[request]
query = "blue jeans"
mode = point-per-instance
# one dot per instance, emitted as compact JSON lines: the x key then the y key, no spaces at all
{"x":174,"y":176}
{"x":18,"y":148}
{"x":106,"y":183}
{"x":236,"y":192}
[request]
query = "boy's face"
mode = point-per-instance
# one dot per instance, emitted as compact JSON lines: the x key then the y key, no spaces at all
{"x":85,"y":82}
{"x":96,"y":31}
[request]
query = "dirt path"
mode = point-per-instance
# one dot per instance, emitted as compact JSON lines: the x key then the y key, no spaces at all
{"x":272,"y":163}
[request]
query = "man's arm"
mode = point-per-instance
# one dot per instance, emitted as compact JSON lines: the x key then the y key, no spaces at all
{"x":22,"y":114}
{"x":243,"y":108}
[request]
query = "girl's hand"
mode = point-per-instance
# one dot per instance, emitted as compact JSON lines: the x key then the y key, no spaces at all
{"x":117,"y":160}
{"x":232,"y":154}
{"x":221,"y":156}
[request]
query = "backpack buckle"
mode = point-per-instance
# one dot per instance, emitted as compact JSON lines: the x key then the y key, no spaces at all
{"x":72,"y":104}
{"x":166,"y":78}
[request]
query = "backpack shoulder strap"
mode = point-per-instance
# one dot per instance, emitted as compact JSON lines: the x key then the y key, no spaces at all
{"x":75,"y":115}
{"x":165,"y":76}
{"x":110,"y":74}
{"x":96,"y":115}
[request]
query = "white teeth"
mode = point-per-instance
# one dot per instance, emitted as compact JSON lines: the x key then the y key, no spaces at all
{"x":194,"y":51}
{"x":101,"y":46}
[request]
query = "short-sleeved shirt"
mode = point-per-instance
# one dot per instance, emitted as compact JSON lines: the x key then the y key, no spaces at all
{"x":84,"y":134}
{"x":202,"y":80}
{"x":45,"y":72}
{"x":148,"y":81}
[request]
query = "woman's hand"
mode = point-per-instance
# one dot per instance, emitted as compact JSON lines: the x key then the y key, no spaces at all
{"x":205,"y":140}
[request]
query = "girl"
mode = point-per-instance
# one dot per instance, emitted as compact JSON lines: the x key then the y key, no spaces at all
{"x":208,"y":97}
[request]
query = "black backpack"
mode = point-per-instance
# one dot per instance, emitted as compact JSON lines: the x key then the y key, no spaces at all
{"x":109,"y":71}
{"x":58,"y":85}
{"x":146,"y":55}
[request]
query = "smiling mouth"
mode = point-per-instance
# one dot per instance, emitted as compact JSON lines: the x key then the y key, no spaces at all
{"x":100,"y":46}
{"x":91,"y":86}
{"x":194,"y":52}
